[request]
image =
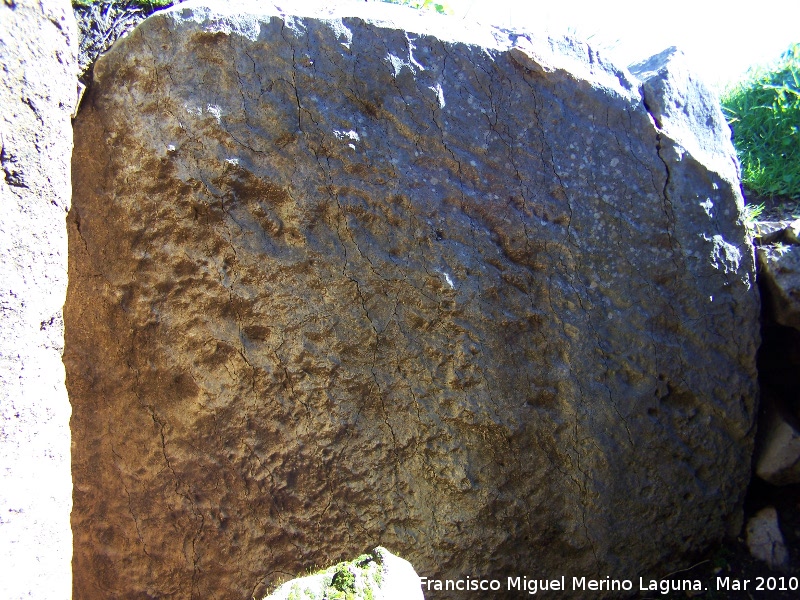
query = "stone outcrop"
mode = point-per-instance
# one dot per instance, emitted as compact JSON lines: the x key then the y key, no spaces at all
{"x":344,"y":281}
{"x":37,"y":96}
{"x":379,"y":575}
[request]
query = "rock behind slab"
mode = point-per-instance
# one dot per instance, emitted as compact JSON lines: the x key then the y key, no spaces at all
{"x":344,"y":281}
{"x":38,"y":42}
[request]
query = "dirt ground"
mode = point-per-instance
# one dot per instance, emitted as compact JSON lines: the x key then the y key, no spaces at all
{"x":776,"y":208}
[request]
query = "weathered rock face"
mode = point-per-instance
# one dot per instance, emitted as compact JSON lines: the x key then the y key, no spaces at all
{"x":37,"y":96}
{"x":338,"y":282}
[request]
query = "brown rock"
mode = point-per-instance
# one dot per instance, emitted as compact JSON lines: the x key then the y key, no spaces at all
{"x":37,"y":95}
{"x":339,"y":282}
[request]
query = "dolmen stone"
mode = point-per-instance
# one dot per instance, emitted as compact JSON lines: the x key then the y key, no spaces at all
{"x":353,"y":276}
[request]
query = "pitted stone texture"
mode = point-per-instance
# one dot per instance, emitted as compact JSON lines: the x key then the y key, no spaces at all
{"x":339,"y":282}
{"x":37,"y":53}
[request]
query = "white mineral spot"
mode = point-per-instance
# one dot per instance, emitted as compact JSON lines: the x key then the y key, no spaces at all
{"x":346,"y":135}
{"x":614,"y":162}
{"x":449,"y":281}
{"x":434,"y":181}
{"x":232,"y":161}
{"x":343,"y":33}
{"x":398,"y":64}
{"x":171,"y":148}
{"x":439,"y":94}
{"x":215,"y":110}
{"x":707,"y":206}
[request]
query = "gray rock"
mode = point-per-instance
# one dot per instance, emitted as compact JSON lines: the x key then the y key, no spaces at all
{"x":37,"y":95}
{"x":379,"y":575}
{"x":343,"y":281}
{"x":778,"y":459}
{"x":765,"y":540}
{"x":779,"y":269}
{"x":775,"y":232}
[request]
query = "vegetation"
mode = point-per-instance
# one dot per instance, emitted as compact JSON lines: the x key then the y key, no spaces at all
{"x":147,"y":5}
{"x":353,"y":580}
{"x":441,"y":8}
{"x":764,"y":114}
{"x":153,"y":5}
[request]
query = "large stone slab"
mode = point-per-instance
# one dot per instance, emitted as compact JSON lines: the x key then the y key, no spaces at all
{"x":37,"y":96}
{"x":340,"y":281}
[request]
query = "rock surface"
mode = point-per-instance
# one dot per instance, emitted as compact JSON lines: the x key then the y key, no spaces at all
{"x":338,"y":282}
{"x":379,"y":575}
{"x":37,"y":96}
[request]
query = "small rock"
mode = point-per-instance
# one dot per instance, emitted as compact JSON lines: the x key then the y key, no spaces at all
{"x":764,"y":538}
{"x":779,"y":269}
{"x":778,"y":462}
{"x":773,"y":232}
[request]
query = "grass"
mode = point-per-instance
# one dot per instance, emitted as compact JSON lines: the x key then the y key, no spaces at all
{"x":440,"y":7}
{"x":153,"y":5}
{"x":148,"y":5}
{"x":764,"y":114}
